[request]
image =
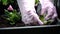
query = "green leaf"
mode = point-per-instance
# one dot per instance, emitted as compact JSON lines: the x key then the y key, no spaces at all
{"x":5,"y":2}
{"x":11,"y":1}
{"x":12,"y":16}
{"x":12,"y":23}
{"x":0,"y":0}
{"x":42,"y":19}
{"x":36,"y":1}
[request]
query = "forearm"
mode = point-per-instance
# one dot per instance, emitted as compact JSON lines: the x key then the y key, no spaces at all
{"x":26,"y":5}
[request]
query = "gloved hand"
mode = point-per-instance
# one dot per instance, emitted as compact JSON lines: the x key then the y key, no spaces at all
{"x":49,"y":9}
{"x":28,"y":12}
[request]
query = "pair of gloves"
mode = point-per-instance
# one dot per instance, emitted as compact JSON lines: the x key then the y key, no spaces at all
{"x":28,"y":12}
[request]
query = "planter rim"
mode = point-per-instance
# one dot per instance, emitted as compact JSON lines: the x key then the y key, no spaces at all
{"x":25,"y":27}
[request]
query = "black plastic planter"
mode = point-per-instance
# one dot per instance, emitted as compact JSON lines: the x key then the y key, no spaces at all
{"x":46,"y":29}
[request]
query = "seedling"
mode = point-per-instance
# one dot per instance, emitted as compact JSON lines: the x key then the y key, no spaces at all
{"x":13,"y":16}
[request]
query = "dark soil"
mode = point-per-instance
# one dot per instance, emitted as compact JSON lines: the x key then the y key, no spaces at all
{"x":5,"y":23}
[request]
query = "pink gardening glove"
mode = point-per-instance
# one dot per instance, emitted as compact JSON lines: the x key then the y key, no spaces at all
{"x":48,"y":8}
{"x":28,"y":12}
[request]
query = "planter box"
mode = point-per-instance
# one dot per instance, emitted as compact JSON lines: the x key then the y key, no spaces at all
{"x":33,"y":29}
{"x":25,"y":27}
